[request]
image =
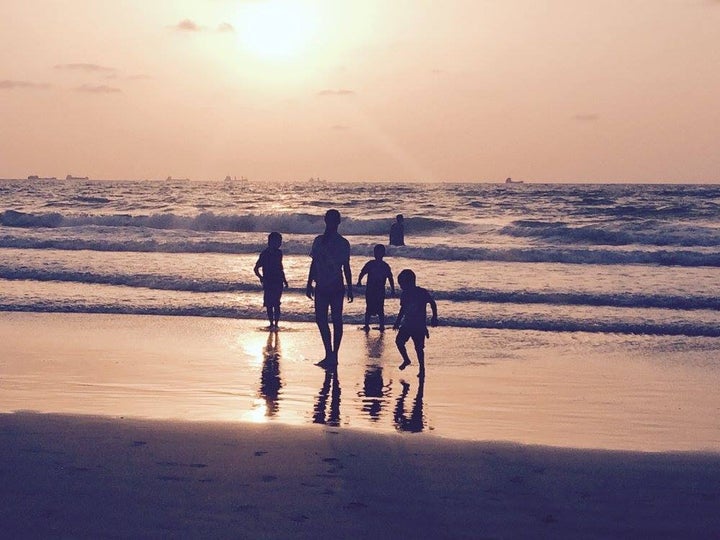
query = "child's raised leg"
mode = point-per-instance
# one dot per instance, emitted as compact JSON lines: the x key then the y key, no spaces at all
{"x":419,"y":342}
{"x":400,"y":341}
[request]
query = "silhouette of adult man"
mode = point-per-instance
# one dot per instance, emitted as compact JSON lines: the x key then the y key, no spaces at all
{"x":397,"y":231}
{"x":330,"y":389}
{"x":330,"y":263}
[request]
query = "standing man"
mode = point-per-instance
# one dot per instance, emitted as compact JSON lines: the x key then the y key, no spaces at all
{"x":330,"y":262}
{"x":397,"y":231}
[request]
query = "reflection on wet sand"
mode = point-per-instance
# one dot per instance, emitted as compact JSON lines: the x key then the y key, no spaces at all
{"x":374,"y":392}
{"x":270,"y":382}
{"x":330,"y":389}
{"x":415,"y":421}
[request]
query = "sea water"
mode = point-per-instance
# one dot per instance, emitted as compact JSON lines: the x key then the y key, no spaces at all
{"x":628,"y":259}
{"x":584,"y":315}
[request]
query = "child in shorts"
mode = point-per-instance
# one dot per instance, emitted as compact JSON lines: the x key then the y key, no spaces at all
{"x":272,"y":277}
{"x":378,"y":272}
{"x":411,"y":322}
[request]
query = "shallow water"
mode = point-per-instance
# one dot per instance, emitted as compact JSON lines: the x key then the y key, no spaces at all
{"x":583,"y":390}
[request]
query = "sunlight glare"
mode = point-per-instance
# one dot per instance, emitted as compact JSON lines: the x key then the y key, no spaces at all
{"x":277,"y":28}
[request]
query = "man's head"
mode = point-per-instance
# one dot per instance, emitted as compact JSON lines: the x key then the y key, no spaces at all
{"x":400,"y":218}
{"x":332,"y":218}
{"x":379,"y":251}
{"x":406,"y":279}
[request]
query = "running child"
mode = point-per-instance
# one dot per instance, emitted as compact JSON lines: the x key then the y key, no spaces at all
{"x":412,"y":319}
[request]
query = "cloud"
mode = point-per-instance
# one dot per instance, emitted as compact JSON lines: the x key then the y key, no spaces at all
{"x":86,"y":68}
{"x":226,"y":27}
{"x":336,"y":93}
{"x":98,"y":89}
{"x":586,"y":117}
{"x":340,"y":127}
{"x":187,"y":25}
{"x":139,"y":77}
{"x":11,"y":85}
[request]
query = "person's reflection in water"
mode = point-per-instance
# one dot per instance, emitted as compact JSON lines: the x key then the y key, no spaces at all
{"x":270,"y":382}
{"x":415,"y":422}
{"x":374,"y":391}
{"x":329,"y":390}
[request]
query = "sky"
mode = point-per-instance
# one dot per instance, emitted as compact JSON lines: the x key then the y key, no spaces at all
{"x":362,"y":90}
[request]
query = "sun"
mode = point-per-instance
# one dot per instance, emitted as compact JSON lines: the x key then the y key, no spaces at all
{"x":276,"y":28}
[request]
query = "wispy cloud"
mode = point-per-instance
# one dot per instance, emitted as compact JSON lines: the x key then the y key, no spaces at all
{"x":187,"y":25}
{"x":226,"y":27}
{"x":11,"y":85}
{"x":340,"y":92}
{"x":86,"y":68}
{"x":586,"y":117}
{"x":98,"y":89}
{"x":139,"y":77}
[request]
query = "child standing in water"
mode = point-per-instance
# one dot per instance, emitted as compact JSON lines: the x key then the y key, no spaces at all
{"x":378,"y":272}
{"x":272,"y":277}
{"x":412,"y":319}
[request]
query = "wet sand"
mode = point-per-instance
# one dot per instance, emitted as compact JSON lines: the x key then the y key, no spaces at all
{"x":75,"y":477}
{"x":182,"y":427}
{"x":568,"y":390}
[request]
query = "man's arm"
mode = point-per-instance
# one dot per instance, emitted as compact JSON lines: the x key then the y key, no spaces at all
{"x":390,"y":279}
{"x":348,"y":280}
{"x":257,"y":269}
{"x":311,"y":277}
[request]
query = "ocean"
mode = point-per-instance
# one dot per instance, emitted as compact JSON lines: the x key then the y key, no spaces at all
{"x":570,"y":315}
{"x":625,"y":259}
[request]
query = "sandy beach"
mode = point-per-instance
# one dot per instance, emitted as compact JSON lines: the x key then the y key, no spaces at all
{"x":89,"y":477}
{"x":127,"y":426}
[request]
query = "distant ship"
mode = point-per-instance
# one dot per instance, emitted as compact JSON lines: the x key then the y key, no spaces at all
{"x":511,"y":181}
{"x":71,"y":177}
{"x":36,"y":177}
{"x":229,"y":178}
{"x":171,"y":179}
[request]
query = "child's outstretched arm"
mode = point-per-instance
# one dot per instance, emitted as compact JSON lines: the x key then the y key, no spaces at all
{"x":399,"y":317}
{"x":363,"y":272}
{"x":282,"y":273}
{"x":433,"y":308}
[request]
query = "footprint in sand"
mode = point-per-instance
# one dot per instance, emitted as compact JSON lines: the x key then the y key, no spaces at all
{"x":269,"y":478}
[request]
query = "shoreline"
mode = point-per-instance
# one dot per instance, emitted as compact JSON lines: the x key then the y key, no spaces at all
{"x":75,"y":476}
{"x":576,"y":391}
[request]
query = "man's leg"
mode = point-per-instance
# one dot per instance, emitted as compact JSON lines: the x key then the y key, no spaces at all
{"x":336,"y":308}
{"x":322,"y":302}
